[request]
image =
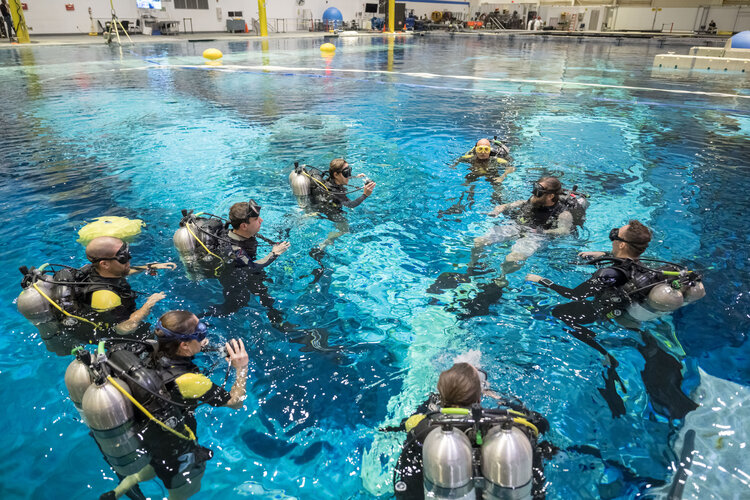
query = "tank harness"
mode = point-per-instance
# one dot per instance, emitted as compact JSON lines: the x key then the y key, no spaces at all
{"x":307,"y":180}
{"x":498,"y":150}
{"x":476,"y":424}
{"x":144,"y":387}
{"x":70,"y":286}
{"x":641,"y":280}
{"x":572,"y":201}
{"x":212,"y":236}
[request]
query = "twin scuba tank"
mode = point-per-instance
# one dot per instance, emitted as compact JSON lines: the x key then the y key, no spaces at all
{"x":103,"y":403}
{"x":507,"y":458}
{"x":666,"y":297}
{"x":501,"y":465}
{"x":652,"y":293}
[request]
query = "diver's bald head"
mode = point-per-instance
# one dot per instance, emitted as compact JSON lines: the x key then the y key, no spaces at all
{"x":483,"y":142}
{"x":103,"y":247}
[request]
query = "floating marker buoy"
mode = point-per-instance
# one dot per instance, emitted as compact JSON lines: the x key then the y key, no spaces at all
{"x":328,"y":47}
{"x":119,"y":227}
{"x":212,"y":54}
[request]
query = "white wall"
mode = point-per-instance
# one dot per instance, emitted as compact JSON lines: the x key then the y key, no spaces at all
{"x":584,"y":15}
{"x":50,"y":16}
{"x":641,"y":18}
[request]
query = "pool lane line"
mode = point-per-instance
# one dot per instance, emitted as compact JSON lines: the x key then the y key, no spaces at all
{"x":285,"y":69}
{"x":633,"y":101}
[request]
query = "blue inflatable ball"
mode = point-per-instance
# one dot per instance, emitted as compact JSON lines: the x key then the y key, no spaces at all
{"x":332,"y":14}
{"x":739,"y":41}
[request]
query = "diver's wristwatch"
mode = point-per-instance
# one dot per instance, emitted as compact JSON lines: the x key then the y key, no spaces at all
{"x":546,"y":282}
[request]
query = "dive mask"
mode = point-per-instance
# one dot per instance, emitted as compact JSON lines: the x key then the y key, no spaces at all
{"x":122,"y":256}
{"x":483,"y":149}
{"x":199,"y":334}
{"x":347,"y":172}
{"x":538,"y":190}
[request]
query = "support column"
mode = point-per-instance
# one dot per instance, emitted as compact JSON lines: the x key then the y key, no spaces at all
{"x":263,"y":20}
{"x":19,"y":22}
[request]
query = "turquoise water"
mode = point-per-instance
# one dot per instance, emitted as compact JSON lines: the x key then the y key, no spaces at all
{"x":146,"y":132}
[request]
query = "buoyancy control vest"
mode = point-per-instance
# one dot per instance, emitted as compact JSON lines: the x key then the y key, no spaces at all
{"x":498,"y":151}
{"x":57,"y":300}
{"x":546,"y":218}
{"x":649,"y":292}
{"x":205,"y":246}
{"x":450,"y":452}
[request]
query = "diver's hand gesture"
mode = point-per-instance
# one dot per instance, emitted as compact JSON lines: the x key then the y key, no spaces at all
{"x":236,"y":354}
{"x":162,"y":265}
{"x":591,"y":255}
{"x":369,"y":187}
{"x":498,"y":210}
{"x":280,"y":248}
{"x":153,"y":299}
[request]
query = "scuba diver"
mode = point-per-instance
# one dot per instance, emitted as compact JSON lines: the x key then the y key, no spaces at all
{"x":628,"y":291}
{"x":202,"y":241}
{"x":485,"y":160}
{"x":327,"y":193}
{"x":84,"y":305}
{"x":140,"y":402}
{"x":452,"y":442}
{"x":550,"y":211}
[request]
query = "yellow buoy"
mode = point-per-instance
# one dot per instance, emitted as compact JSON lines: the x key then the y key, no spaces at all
{"x":212,"y":54}
{"x":328,"y":47}
{"x":119,"y":227}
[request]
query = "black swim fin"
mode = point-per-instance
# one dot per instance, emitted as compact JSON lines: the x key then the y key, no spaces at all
{"x":315,"y":339}
{"x":448,"y":281}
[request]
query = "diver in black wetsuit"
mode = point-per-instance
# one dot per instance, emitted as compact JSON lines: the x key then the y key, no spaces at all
{"x":334,"y":197}
{"x":606,"y":288}
{"x":246,"y":274}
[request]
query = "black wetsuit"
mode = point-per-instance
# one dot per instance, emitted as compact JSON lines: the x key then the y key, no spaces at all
{"x":244,"y":277}
{"x":337,"y":196}
{"x":175,"y":459}
{"x":662,"y":382}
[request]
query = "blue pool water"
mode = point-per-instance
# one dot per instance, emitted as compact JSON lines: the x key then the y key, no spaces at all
{"x":145,"y":132}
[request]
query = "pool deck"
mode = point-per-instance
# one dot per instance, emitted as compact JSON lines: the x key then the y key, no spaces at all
{"x":84,"y":39}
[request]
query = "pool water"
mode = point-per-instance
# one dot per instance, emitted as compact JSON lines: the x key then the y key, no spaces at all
{"x":148,"y":130}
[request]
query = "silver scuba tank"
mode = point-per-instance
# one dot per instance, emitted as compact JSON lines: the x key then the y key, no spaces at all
{"x":299,"y":182}
{"x":507,"y":464}
{"x":693,"y":292}
{"x":33,"y":306}
{"x":447,"y":465}
{"x":664,"y":298}
{"x":77,"y":379}
{"x":110,"y":416}
{"x":184,"y":241}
